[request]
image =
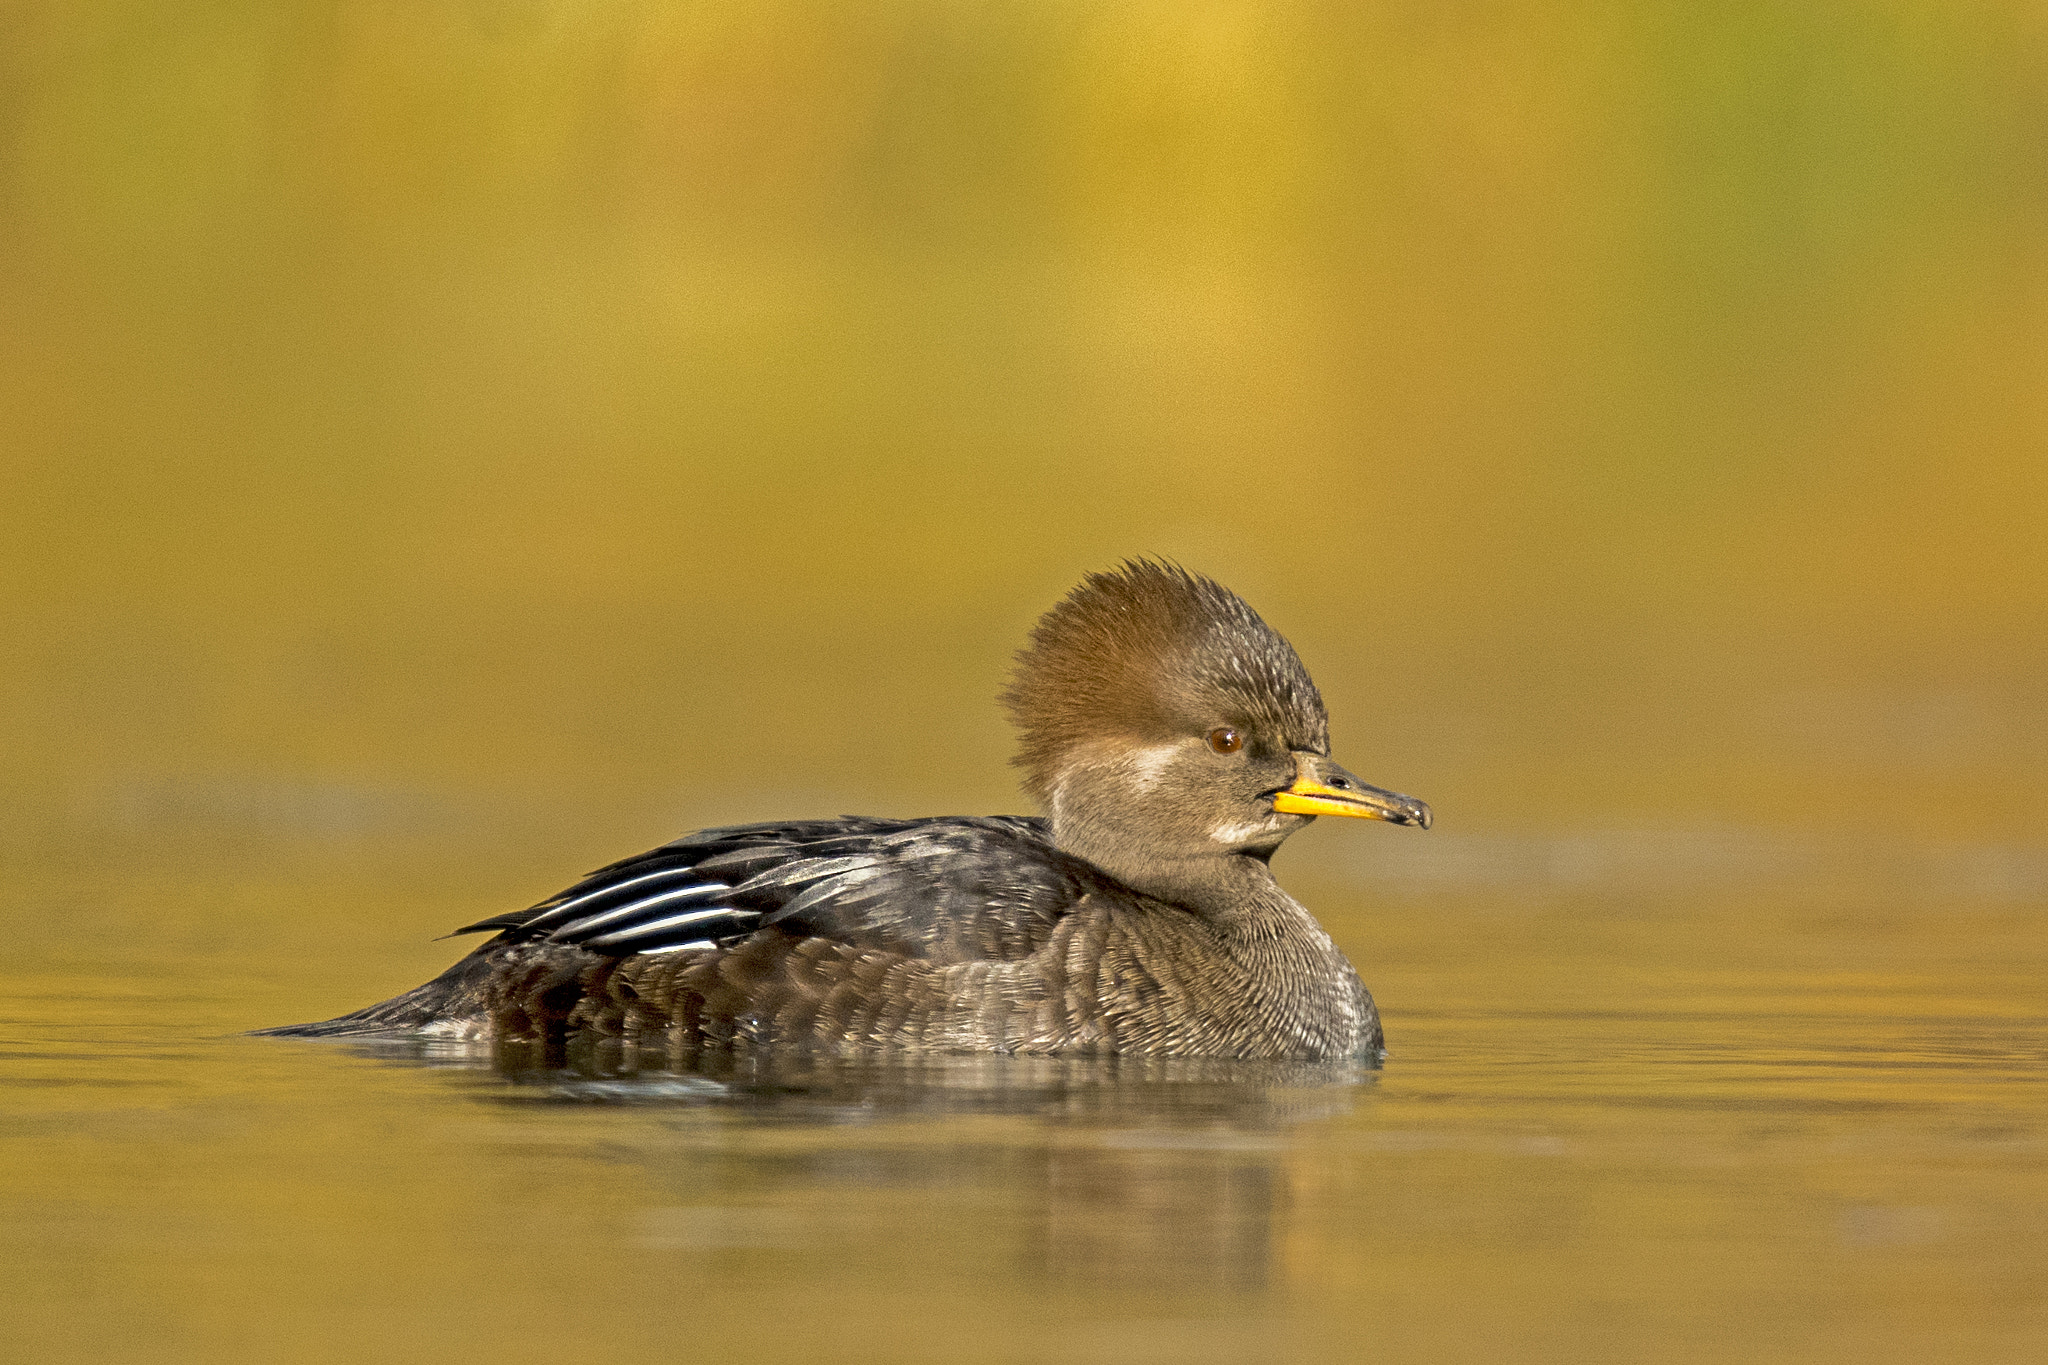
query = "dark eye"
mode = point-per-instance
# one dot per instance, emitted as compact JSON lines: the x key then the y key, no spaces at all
{"x":1225,"y":740}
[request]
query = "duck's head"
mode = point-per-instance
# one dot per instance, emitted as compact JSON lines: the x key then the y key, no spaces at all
{"x":1167,"y":728}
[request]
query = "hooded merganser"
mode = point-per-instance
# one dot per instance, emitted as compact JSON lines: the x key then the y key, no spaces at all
{"x":1174,"y":741}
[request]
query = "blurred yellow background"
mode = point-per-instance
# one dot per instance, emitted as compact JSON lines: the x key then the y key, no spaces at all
{"x":1631,"y":412}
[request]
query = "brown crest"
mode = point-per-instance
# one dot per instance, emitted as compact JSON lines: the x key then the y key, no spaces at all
{"x":1149,"y":652}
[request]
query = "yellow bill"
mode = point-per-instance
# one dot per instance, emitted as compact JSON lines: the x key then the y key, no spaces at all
{"x":1322,"y":788}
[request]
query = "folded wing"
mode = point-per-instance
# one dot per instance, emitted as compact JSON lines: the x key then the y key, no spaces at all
{"x":949,"y":890}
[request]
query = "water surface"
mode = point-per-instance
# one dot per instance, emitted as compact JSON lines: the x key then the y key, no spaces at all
{"x":1601,"y":1134}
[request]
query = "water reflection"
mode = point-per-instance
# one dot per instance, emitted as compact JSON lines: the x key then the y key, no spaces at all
{"x":1153,"y":1174}
{"x":1162,"y":1215}
{"x":1178,"y":1091}
{"x":1523,"y":1175}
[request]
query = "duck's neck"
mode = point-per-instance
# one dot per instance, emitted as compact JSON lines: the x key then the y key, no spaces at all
{"x":1221,"y":887}
{"x":1309,"y":999}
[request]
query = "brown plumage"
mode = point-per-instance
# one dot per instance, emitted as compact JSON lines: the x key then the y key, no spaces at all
{"x":1095,"y":669}
{"x":1174,"y":741}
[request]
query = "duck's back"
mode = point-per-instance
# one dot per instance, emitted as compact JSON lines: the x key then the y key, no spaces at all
{"x":728,"y":931}
{"x":851,"y":935}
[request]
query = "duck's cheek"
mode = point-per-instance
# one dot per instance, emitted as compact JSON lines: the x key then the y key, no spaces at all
{"x":1145,"y":768}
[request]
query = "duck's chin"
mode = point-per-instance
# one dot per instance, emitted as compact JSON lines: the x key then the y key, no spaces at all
{"x":1258,"y":836}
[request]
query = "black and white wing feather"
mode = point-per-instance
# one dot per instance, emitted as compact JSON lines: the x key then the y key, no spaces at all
{"x":949,"y":889}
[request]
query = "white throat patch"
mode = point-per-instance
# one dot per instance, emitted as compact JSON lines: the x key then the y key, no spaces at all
{"x":1233,"y":835}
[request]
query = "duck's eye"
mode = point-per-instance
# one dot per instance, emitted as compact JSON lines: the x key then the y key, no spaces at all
{"x":1225,"y":740}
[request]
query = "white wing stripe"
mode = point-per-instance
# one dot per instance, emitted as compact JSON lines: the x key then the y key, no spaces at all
{"x":582,"y":926}
{"x":567,"y":909}
{"x":659,"y":926}
{"x":677,"y":947}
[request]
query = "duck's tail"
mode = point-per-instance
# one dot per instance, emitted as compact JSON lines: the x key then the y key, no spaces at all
{"x":448,"y":1001}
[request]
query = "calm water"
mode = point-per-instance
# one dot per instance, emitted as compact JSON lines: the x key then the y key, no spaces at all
{"x":1602,"y":1134}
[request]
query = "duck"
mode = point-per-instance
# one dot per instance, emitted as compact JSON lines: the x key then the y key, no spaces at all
{"x":1172,"y":740}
